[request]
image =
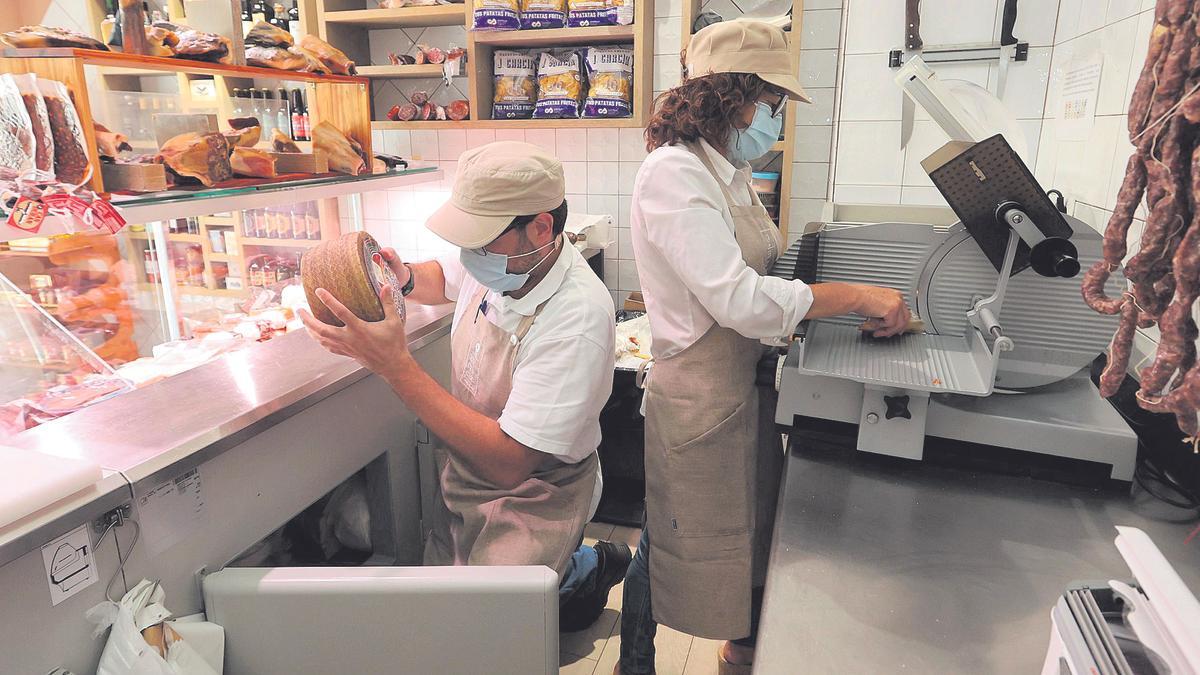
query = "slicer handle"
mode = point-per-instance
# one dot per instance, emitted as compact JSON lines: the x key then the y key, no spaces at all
{"x":1003,"y":342}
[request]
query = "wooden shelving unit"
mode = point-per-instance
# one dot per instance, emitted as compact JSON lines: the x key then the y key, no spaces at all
{"x":349,"y":29}
{"x":785,"y":146}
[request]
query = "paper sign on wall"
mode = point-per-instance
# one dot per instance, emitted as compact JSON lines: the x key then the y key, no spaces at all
{"x":1077,"y":98}
{"x":70,"y":564}
{"x":171,"y":511}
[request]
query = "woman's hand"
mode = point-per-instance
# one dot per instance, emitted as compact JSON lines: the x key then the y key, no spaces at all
{"x":380,"y":346}
{"x":885,"y":309}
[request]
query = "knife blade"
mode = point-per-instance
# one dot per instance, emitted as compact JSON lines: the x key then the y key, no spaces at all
{"x":1008,"y":45}
{"x":913,"y":43}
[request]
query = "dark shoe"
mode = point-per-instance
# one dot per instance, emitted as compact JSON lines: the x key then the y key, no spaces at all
{"x":582,"y":610}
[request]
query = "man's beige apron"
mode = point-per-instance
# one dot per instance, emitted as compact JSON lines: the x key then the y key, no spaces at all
{"x":713,"y":463}
{"x":476,"y":523}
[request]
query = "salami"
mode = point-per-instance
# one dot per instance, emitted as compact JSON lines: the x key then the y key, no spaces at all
{"x":1164,"y":274}
{"x":406,"y":112}
{"x":458,"y":110}
{"x":419,"y":98}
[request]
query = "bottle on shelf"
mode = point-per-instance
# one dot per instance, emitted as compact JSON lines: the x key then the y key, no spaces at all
{"x":107,"y":27}
{"x":294,"y":21}
{"x":193,"y":225}
{"x":268,"y":272}
{"x":280,"y":20}
{"x":283,"y":113}
{"x":256,"y":104}
{"x":267,"y":121}
{"x":247,"y":223}
{"x":283,"y":270}
{"x":247,"y":22}
{"x":256,"y":273}
{"x":299,"y":229}
{"x":299,"y":116}
{"x":312,"y":220}
{"x":258,"y":11}
{"x":239,"y":103}
{"x":283,"y":222}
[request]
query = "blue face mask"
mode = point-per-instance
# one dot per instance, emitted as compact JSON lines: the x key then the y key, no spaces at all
{"x":749,"y":144}
{"x":491,"y":269}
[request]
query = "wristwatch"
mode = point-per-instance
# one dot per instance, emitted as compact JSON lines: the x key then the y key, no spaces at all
{"x":412,"y":282}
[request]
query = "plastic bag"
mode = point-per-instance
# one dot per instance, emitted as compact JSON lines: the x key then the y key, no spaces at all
{"x":610,"y":82}
{"x":543,"y":13}
{"x":496,"y":15}
{"x":560,"y":86}
{"x":17,"y":144}
{"x":515,"y":86}
{"x":588,"y":13}
{"x":620,"y":12}
{"x":72,"y":164}
{"x":126,"y":651}
{"x":39,"y":121}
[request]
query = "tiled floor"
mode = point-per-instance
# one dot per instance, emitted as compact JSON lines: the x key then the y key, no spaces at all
{"x":597,"y":649}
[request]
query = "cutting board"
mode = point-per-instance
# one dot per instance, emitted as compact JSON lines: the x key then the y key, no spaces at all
{"x":31,"y":481}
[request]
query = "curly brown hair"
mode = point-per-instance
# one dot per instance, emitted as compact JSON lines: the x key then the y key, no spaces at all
{"x":702,"y":107}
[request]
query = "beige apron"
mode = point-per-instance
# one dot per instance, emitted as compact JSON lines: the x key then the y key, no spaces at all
{"x":476,"y":523}
{"x":713,"y":464}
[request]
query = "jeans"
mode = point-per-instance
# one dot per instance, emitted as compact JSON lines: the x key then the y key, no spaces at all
{"x":637,"y":622}
{"x":580,"y":576}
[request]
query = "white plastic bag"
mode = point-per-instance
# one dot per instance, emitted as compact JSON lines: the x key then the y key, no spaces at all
{"x":126,"y":652}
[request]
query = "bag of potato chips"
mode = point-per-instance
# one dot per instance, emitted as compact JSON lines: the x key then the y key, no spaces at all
{"x":560,"y":86}
{"x":582,"y":13}
{"x":543,"y":13}
{"x":515,"y":85}
{"x":610,"y":82}
{"x":620,"y":12}
{"x":496,"y":15}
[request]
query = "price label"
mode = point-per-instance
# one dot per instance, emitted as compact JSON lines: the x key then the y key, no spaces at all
{"x":27,"y":215}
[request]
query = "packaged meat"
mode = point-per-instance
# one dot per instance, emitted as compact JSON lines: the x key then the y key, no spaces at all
{"x":432,"y":54}
{"x":18,"y":148}
{"x":333,"y":58}
{"x":543,"y":13}
{"x":198,"y":45}
{"x":458,"y":110}
{"x":419,"y":98}
{"x":71,"y":159}
{"x":263,"y":34}
{"x":253,"y":163}
{"x":610,"y":82}
{"x":582,"y":13}
{"x":406,"y":112}
{"x":339,"y":148}
{"x":28,"y":37}
{"x":39,"y":123}
{"x":204,"y":157}
{"x":560,"y":86}
{"x":428,"y":111}
{"x":515,"y":85}
{"x":496,"y":15}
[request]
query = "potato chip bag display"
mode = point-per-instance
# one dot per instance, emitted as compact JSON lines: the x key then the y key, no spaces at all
{"x":620,"y":12}
{"x":496,"y":15}
{"x":582,"y":13}
{"x":560,"y":86}
{"x":543,"y":13}
{"x":610,"y":82}
{"x":515,"y":85}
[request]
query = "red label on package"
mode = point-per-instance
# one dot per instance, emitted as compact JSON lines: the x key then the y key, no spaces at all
{"x":65,"y":202}
{"x":27,"y":215}
{"x":99,"y":214}
{"x":106,"y":217}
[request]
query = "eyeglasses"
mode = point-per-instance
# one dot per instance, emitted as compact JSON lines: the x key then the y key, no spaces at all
{"x":780,"y":106}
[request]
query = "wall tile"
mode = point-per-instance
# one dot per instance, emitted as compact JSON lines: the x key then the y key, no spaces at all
{"x":1084,"y":168}
{"x":866,"y":194}
{"x":611,"y":273}
{"x":863,"y":157}
{"x":1091,"y":16}
{"x":927,"y":137}
{"x":1025,"y":92}
{"x":480,"y":137}
{"x":510,"y":134}
{"x":822,"y":29}
{"x":575,"y":174}
{"x":603,"y":178}
{"x":818,"y":68}
{"x":819,"y":112}
{"x":571,"y":144}
{"x":625,"y":243}
{"x":822,"y":4}
{"x":391,"y":40}
{"x":869,"y":91}
{"x":401,"y":204}
{"x":603,"y":205}
{"x":449,"y":169}
{"x":632,"y":145}
{"x":1116,"y":43}
{"x":628,"y":276}
{"x":666,"y":71}
{"x":626,"y":174}
{"x":1121,"y":9}
{"x":801,"y":212}
{"x":921,"y":196}
{"x":451,"y":143}
{"x":603,"y":144}
{"x":624,"y":204}
{"x":810,"y":180}
{"x":1035,"y":22}
{"x":1047,"y":157}
{"x":1141,"y":44}
{"x":813,"y":144}
{"x":375,"y":203}
{"x":947,"y":22}
{"x":668,"y":8}
{"x":399,"y":142}
{"x":874,"y":27}
{"x":543,"y":138}
{"x":666,"y":35}
{"x":425,"y":144}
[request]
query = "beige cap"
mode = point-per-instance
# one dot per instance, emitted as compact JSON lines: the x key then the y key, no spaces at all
{"x":494,"y":184}
{"x":745,"y":46}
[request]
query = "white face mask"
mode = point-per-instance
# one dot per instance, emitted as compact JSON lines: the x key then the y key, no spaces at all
{"x":491,"y":269}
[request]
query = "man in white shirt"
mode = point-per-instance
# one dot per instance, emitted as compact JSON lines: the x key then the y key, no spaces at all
{"x":532,"y":361}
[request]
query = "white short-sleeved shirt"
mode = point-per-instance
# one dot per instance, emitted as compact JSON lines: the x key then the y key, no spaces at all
{"x":689,"y":263}
{"x":564,"y":367}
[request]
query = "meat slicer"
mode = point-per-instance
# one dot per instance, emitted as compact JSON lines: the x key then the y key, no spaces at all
{"x":1006,"y":333}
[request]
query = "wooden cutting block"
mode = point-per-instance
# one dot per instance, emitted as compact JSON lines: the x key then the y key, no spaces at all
{"x":300,"y":162}
{"x":170,"y":125}
{"x":134,"y":177}
{"x":345,"y":268}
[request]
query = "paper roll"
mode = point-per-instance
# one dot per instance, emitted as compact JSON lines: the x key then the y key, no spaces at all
{"x":345,"y":268}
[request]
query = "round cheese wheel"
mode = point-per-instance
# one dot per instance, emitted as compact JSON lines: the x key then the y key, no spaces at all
{"x":345,"y":268}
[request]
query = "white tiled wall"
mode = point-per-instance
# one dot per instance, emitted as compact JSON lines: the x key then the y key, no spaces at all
{"x":600,"y":164}
{"x":869,"y":165}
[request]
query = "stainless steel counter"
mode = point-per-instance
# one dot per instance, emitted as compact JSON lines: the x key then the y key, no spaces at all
{"x":884,"y":566}
{"x":161,"y":430}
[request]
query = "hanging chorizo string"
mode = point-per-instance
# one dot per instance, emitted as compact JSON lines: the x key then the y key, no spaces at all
{"x":1164,"y":275}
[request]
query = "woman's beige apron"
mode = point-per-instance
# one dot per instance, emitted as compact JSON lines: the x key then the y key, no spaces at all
{"x":713,"y":463}
{"x":540,"y":522}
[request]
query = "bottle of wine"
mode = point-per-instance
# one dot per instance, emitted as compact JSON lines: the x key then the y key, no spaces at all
{"x":283,"y":115}
{"x":279,"y":20}
{"x":258,"y":11}
{"x":256,"y":104}
{"x":294,"y":20}
{"x":247,"y":22}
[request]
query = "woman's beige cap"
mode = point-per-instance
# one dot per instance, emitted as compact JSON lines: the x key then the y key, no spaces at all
{"x":745,"y":46}
{"x":494,"y":184}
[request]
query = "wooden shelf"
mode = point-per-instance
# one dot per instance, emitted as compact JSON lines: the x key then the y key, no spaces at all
{"x":223,"y":257}
{"x":558,"y":37}
{"x":404,"y":17}
{"x":287,"y":243}
{"x":581,"y":123}
{"x":182,"y":238}
{"x":424,"y":71}
{"x":780,"y":146}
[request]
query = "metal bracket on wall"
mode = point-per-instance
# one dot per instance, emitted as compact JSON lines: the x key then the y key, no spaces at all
{"x":114,"y":518}
{"x":965,"y":53}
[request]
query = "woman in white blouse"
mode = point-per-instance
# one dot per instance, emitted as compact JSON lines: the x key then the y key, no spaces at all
{"x":704,"y":245}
